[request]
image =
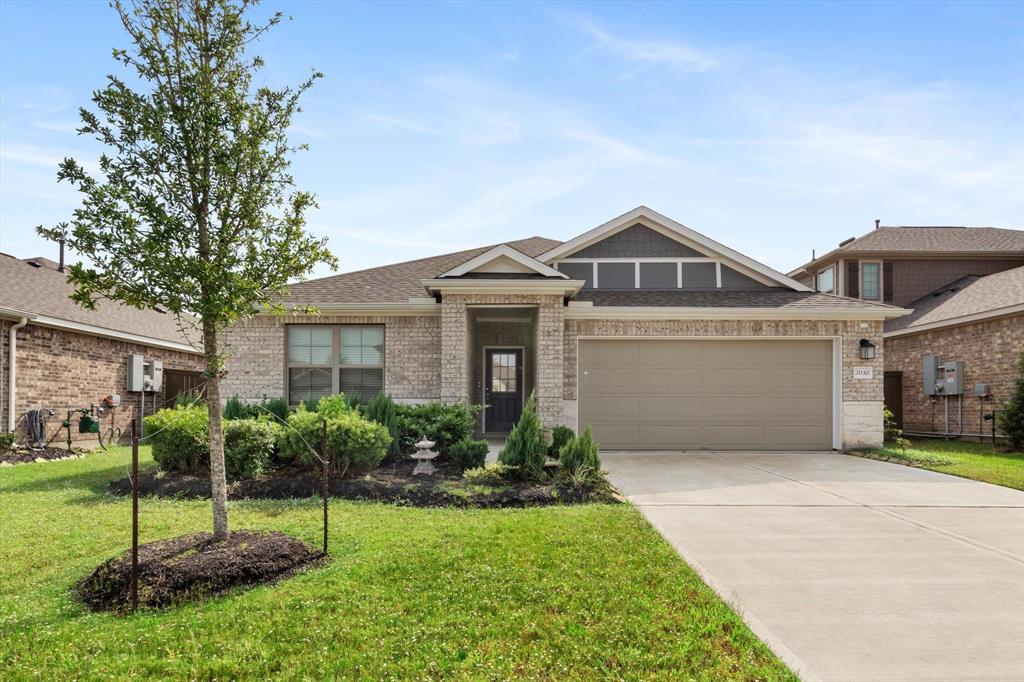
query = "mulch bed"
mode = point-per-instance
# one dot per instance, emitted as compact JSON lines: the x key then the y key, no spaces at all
{"x":24,"y":456}
{"x":193,"y":567}
{"x":392,"y":483}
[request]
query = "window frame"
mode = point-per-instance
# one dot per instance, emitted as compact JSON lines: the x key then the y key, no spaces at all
{"x":877,"y":264}
{"x":336,"y":365}
{"x":817,"y":280}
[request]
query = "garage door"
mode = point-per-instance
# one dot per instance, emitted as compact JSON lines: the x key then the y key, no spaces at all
{"x":668,"y":394}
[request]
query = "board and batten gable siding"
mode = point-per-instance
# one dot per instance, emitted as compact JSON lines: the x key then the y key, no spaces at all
{"x":637,"y":241}
{"x":412,"y":354}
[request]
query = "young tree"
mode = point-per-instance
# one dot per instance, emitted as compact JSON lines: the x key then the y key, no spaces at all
{"x":194,"y":209}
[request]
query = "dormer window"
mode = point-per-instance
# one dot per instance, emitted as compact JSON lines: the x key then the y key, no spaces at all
{"x":827,"y":280}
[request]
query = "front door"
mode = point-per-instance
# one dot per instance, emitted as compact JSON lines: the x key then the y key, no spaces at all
{"x":503,"y":388}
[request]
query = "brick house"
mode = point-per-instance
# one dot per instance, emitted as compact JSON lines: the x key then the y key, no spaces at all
{"x":965,"y":286}
{"x":652,"y":333}
{"x":65,"y":357}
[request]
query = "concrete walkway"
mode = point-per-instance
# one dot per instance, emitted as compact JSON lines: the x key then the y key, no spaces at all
{"x":850,"y":569}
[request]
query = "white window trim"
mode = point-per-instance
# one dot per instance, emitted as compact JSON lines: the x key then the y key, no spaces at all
{"x":636,"y":267}
{"x":881,"y":287}
{"x":834,"y":287}
{"x":336,"y":365}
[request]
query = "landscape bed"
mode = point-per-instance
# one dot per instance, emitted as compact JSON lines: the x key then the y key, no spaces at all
{"x":569,"y":592}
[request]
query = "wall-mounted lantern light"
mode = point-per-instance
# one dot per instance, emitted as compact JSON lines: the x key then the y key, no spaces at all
{"x":867,"y":350}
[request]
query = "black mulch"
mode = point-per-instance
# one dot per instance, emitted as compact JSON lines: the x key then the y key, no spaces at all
{"x":194,"y":567}
{"x":21,"y":456}
{"x":391,"y":483}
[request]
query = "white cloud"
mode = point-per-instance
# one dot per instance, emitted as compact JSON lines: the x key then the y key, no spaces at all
{"x":57,"y":126}
{"x":648,"y":53}
{"x":401,"y":123}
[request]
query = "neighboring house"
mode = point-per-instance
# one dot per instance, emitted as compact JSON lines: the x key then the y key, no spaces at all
{"x":654,"y":334}
{"x":964,"y":285}
{"x":976,"y":320}
{"x":66,"y":357}
{"x":898,"y":265}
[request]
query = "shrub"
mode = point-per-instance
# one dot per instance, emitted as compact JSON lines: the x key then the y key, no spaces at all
{"x":234,"y":408}
{"x":494,"y":473}
{"x":1011,"y":417}
{"x":278,"y":407}
{"x":6,"y":442}
{"x":249,"y":446}
{"x":332,"y":406}
{"x":383,"y":410}
{"x":580,"y":451}
{"x":893,"y":434}
{"x":524,"y":448}
{"x":188,"y":398}
{"x":469,"y":454}
{"x":354,"y":443}
{"x":180,"y":438}
{"x":444,"y":423}
{"x":560,"y":435}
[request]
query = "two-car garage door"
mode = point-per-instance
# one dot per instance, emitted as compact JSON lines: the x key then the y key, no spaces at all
{"x":675,"y":394}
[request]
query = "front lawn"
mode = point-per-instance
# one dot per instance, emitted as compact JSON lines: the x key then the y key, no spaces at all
{"x":960,"y":458}
{"x":582,"y":592}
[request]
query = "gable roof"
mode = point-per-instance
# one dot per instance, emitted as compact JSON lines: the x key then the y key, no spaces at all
{"x":42,"y":293}
{"x":396,"y":283}
{"x":503,"y":260}
{"x":929,"y":240}
{"x":965,"y":300}
{"x":651,"y":218}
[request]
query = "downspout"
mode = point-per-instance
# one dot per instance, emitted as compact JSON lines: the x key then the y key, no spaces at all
{"x":12,"y":368}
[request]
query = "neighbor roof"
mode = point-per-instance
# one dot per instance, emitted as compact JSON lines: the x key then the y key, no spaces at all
{"x":42,"y":291}
{"x":395,"y":283}
{"x":958,"y":302}
{"x":938,"y":240}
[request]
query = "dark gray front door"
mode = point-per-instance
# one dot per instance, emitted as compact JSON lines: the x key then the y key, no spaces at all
{"x":503,"y":388}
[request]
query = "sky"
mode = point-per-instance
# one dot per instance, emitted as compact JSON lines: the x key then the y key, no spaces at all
{"x":774,"y":128}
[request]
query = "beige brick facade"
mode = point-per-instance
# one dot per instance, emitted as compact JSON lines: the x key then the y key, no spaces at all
{"x":989,"y":350}
{"x":61,"y":370}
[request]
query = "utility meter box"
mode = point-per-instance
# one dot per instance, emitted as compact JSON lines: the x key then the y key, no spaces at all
{"x":136,"y":374}
{"x":930,"y":367}
{"x":952,"y":378}
{"x":154,"y":379}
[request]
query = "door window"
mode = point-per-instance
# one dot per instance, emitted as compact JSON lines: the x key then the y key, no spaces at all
{"x":503,"y":373}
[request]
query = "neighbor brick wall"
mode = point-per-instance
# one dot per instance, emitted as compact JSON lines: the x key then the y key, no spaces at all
{"x":412,"y":354}
{"x":989,"y":351}
{"x":61,"y":370}
{"x":862,"y":398}
{"x":913,"y":279}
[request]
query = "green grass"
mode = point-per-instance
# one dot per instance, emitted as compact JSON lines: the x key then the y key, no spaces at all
{"x":960,"y":458}
{"x":579,"y":592}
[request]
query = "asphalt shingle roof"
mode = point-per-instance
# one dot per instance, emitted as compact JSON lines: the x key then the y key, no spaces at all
{"x":760,"y":298}
{"x":967,"y":296}
{"x":44,"y":290}
{"x":395,"y":283}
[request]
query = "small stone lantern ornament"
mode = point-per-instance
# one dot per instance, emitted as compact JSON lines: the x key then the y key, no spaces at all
{"x":424,"y":457}
{"x":867,"y":350}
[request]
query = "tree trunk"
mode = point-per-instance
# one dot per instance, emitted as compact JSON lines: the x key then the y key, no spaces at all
{"x":218,"y":479}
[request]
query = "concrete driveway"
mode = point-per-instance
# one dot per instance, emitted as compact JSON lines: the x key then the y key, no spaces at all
{"x":850,"y":569}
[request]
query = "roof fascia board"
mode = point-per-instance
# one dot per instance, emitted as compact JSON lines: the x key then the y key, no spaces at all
{"x":836,"y":254}
{"x":93,"y":330}
{"x":395,"y":309}
{"x":509,"y":252}
{"x":957,"y":321}
{"x":679,"y":313}
{"x":500,"y":286}
{"x":677,"y":231}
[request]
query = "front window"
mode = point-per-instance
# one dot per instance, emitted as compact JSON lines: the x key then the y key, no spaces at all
{"x":870,"y":276}
{"x":827,"y":280}
{"x":324,"y":360}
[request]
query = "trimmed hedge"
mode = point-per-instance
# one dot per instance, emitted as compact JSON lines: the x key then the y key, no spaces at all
{"x":180,"y":438}
{"x":354,"y":443}
{"x":249,"y":446}
{"x":469,"y":454}
{"x":444,"y":423}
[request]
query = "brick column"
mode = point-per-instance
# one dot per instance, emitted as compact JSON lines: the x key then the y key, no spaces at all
{"x":550,"y":348}
{"x":454,"y":350}
{"x":862,"y":398}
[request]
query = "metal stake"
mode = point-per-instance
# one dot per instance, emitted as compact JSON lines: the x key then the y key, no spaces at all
{"x":323,"y":456}
{"x":135,"y":518}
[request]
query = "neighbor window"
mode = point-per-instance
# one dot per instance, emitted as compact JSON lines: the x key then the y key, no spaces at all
{"x":324,"y":360}
{"x":827,"y":280}
{"x":870,"y":286}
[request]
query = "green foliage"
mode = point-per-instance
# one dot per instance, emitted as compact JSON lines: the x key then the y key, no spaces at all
{"x":276,"y":408}
{"x":893,"y":434}
{"x":494,"y":473}
{"x":560,"y":435}
{"x":383,"y":410}
{"x":580,"y":451}
{"x":332,"y":406}
{"x":234,"y":408}
{"x":6,"y":442}
{"x":1011,"y":417}
{"x":249,"y":447}
{"x":469,"y":454}
{"x":354,"y":443}
{"x":444,"y":423}
{"x":180,"y":438}
{"x":524,"y":448}
{"x":188,"y":398}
